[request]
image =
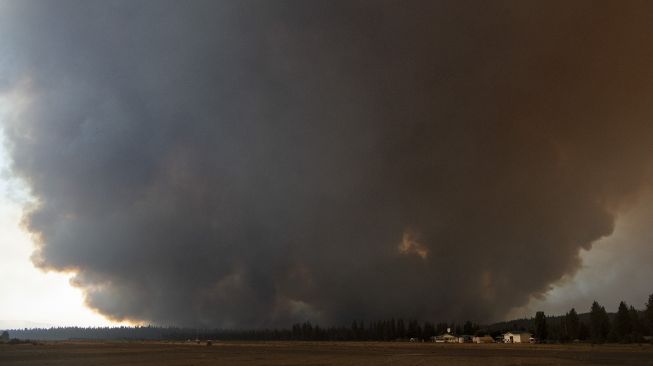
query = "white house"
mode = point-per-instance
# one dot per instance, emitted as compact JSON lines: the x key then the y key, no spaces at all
{"x":517,"y":337}
{"x":445,"y":338}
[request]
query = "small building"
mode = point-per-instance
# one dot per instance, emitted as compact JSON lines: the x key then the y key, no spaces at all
{"x":517,"y":337}
{"x":465,"y":339}
{"x":483,"y":339}
{"x":445,"y":338}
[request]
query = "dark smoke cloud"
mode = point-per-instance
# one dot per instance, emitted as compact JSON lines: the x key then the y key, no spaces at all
{"x":252,"y":163}
{"x":617,"y":268}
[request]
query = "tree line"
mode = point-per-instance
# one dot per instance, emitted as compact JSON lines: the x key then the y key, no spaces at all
{"x":626,"y":325}
{"x":386,"y":330}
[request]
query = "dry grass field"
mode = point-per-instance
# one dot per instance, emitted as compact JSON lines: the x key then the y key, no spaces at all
{"x":90,"y":353}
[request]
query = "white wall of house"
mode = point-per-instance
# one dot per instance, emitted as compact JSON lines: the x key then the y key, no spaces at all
{"x":516,"y":337}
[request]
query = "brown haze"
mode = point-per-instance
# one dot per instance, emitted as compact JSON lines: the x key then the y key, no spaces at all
{"x":252,"y":163}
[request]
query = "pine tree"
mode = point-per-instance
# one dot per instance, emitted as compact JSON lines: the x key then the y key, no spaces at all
{"x":541,"y":331}
{"x":599,"y":323}
{"x":468,"y":328}
{"x":441,"y":328}
{"x":648,"y":315}
{"x":429,"y":330}
{"x":572,"y":323}
{"x":583,"y":332}
{"x":401,"y":329}
{"x":458,"y":329}
{"x":622,"y":326}
{"x":555,"y":330}
{"x":637,"y":327}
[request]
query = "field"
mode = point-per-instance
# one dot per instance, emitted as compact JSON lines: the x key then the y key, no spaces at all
{"x":319,"y":353}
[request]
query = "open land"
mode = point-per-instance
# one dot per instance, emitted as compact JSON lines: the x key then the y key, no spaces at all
{"x":101,"y":353}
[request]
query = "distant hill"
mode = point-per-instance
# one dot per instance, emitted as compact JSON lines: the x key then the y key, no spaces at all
{"x":528,"y":324}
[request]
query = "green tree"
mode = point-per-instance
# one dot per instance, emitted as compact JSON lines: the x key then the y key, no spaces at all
{"x":636,"y":324}
{"x":556,"y":330}
{"x":468,"y":328}
{"x":429,"y":330}
{"x":583,"y":332}
{"x":572,"y":324}
{"x":413,"y":329}
{"x":648,"y":315}
{"x":622,"y":326}
{"x":458,"y":329}
{"x":401,"y":329}
{"x":599,"y":323}
{"x":541,"y":331}
{"x":355,"y":331}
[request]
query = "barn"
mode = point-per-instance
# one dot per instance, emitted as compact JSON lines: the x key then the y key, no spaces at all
{"x":483,"y":339}
{"x":517,"y":337}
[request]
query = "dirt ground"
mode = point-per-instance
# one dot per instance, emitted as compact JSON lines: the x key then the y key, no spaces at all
{"x":90,"y":353}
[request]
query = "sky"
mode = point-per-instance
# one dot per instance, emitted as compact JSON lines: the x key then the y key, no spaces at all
{"x":254,"y":163}
{"x":31,"y":297}
{"x":615,"y":269}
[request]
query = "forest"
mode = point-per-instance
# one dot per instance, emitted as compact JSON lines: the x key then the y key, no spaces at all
{"x":627,"y":325}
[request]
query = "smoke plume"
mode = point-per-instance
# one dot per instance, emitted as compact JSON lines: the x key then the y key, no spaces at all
{"x":253,"y":163}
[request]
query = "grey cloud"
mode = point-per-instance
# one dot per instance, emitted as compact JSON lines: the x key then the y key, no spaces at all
{"x":252,"y":163}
